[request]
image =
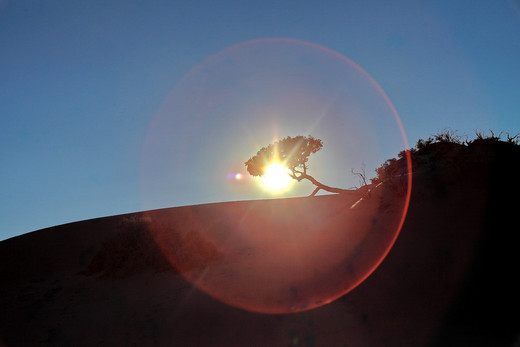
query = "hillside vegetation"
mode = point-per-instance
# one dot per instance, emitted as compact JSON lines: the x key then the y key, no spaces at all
{"x":456,"y":154}
{"x":449,"y":279}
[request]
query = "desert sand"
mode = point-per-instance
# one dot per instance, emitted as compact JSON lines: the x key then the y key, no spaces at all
{"x":449,"y":279}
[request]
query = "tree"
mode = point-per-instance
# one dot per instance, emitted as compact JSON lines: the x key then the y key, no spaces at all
{"x":293,"y":153}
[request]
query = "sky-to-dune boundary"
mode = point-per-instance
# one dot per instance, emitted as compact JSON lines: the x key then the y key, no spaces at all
{"x":448,"y":278}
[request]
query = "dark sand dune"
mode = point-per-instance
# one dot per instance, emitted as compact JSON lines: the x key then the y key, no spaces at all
{"x":449,"y":280}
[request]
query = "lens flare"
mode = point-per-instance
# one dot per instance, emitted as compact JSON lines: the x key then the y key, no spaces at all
{"x":274,"y":255}
{"x":276,"y":177}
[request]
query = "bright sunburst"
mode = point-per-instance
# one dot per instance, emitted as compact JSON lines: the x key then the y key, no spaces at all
{"x":276,"y":177}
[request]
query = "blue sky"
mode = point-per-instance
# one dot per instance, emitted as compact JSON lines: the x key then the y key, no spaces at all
{"x":82,"y":81}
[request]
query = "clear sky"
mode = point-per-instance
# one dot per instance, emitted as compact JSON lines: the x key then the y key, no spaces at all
{"x":82,"y":82}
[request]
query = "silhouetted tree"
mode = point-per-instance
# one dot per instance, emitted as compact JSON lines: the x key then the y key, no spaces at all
{"x":293,"y":153}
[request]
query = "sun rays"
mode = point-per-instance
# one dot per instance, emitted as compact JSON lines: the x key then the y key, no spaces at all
{"x":276,"y":177}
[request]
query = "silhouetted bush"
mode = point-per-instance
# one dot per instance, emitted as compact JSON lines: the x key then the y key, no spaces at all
{"x":449,"y":151}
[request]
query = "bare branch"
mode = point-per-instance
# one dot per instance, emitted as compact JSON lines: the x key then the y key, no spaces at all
{"x":361,"y":175}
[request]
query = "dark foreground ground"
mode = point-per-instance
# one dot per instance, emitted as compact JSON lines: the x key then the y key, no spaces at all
{"x":449,"y":280}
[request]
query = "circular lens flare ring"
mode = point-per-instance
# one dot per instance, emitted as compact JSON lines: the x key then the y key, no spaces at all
{"x":249,"y":94}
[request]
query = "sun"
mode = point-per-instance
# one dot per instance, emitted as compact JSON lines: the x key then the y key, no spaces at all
{"x":276,"y":177}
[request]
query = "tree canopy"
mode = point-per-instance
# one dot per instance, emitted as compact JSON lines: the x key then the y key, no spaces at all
{"x":293,"y":153}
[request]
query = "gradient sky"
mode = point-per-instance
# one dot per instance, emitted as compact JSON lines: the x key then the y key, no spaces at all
{"x":81,"y":82}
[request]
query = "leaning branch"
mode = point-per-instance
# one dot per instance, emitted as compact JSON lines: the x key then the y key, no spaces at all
{"x":319,"y":185}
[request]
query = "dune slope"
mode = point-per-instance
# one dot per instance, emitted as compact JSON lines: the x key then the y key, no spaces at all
{"x":448,"y":280}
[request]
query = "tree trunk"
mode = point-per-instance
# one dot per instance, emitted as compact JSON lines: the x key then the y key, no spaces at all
{"x":320,"y":186}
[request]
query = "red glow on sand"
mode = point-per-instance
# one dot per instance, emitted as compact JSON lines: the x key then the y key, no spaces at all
{"x":280,"y":256}
{"x":286,"y":255}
